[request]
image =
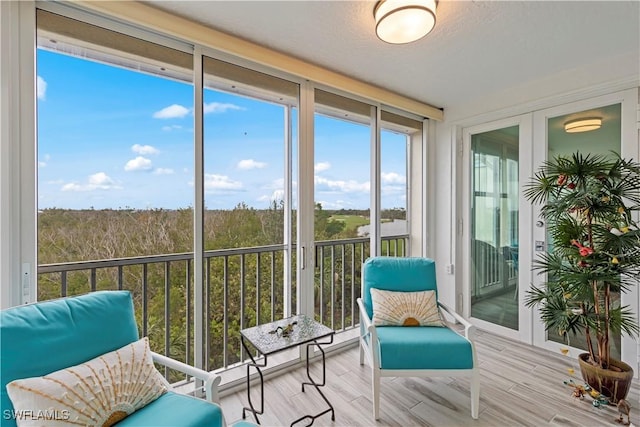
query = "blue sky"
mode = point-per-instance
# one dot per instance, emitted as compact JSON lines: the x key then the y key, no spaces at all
{"x":113,"y":138}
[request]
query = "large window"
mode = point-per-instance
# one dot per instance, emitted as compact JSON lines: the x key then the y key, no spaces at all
{"x":193,"y":206}
{"x":115,"y":163}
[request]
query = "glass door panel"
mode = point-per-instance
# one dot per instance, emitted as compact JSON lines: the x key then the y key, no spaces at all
{"x":604,"y":141}
{"x":249,"y":130}
{"x":494,"y":227}
{"x":342,"y":153}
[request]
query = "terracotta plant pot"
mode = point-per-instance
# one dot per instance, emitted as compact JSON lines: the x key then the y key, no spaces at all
{"x":614,"y":384}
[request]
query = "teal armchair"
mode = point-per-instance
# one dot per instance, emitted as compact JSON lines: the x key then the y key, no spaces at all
{"x":412,"y":351}
{"x":39,"y":339}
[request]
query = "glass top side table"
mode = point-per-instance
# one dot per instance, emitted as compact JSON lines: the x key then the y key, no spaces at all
{"x":281,"y":335}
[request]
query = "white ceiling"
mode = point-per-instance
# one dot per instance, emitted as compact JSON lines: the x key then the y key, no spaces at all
{"x":478,"y":48}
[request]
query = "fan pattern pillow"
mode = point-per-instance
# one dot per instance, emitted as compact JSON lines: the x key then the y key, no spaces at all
{"x":99,"y":392}
{"x":405,"y":308}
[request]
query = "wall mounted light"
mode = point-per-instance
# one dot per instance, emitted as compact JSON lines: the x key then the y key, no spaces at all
{"x":583,"y":125}
{"x":404,"y":21}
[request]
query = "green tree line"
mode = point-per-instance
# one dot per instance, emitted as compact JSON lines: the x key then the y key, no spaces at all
{"x":244,"y":286}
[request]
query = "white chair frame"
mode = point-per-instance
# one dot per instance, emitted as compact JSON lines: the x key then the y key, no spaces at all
{"x":210,"y":380}
{"x":371,"y":351}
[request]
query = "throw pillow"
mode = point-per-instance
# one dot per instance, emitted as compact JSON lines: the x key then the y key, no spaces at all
{"x":99,"y":392}
{"x":405,"y":308}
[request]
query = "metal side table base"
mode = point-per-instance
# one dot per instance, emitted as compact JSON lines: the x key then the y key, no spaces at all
{"x":317,"y":386}
{"x":256,"y":365}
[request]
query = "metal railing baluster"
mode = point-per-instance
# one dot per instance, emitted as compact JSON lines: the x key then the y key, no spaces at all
{"x":167,"y":311}
{"x":225,"y":302}
{"x":273,"y":285}
{"x":353,"y":284}
{"x":342,"y":309}
{"x":63,"y":279}
{"x":145,"y":313}
{"x":258,"y":289}
{"x":242,"y":324}
{"x":207,"y":313}
{"x":330,"y":279}
{"x":321,"y":311}
{"x":188,"y":305}
{"x":120,"y":278}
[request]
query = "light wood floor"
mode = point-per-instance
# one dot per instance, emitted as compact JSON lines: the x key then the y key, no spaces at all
{"x":520,"y":386}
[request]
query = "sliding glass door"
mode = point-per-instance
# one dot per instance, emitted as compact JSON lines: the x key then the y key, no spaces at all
{"x":493,"y":245}
{"x":494,"y":226}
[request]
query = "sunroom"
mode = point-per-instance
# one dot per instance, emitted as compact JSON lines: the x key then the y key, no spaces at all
{"x":230,"y":176}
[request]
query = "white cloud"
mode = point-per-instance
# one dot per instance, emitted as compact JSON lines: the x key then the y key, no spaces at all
{"x":138,"y":164}
{"x":217,"y":107}
{"x":144,"y":149}
{"x":170,"y":128}
{"x":220,"y":183}
{"x":321,"y":166}
{"x":41,"y":88}
{"x":276,"y":184}
{"x":42,"y":163}
{"x":392,"y":178}
{"x":393,"y":189}
{"x":351,"y":186}
{"x":171,"y":112}
{"x":276,"y":196}
{"x":249,"y":164}
{"x":163,"y":171}
{"x":97,"y":181}
{"x":100,"y":179}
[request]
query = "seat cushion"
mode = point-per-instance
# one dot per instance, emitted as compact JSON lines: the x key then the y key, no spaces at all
{"x":37,"y":339}
{"x":423,"y":348}
{"x":173,"y":409}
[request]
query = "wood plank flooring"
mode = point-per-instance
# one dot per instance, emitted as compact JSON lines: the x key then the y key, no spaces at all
{"x":520,"y":386}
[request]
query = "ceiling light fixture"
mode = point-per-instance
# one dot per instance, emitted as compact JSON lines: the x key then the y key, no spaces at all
{"x":404,"y":21}
{"x":583,"y":125}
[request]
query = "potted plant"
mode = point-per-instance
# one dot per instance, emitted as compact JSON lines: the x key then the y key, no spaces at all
{"x":590,"y":204}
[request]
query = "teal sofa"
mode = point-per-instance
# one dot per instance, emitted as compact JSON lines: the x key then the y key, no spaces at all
{"x":40,"y":338}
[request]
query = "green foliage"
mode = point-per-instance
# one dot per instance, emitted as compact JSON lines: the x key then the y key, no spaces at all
{"x":590,"y":203}
{"x":244,"y":286}
{"x":351,"y":222}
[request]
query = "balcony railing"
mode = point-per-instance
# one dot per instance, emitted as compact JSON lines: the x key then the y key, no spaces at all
{"x":494,"y":270}
{"x":242,"y":287}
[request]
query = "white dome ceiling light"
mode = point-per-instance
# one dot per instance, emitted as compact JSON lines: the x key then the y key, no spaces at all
{"x":404,"y":21}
